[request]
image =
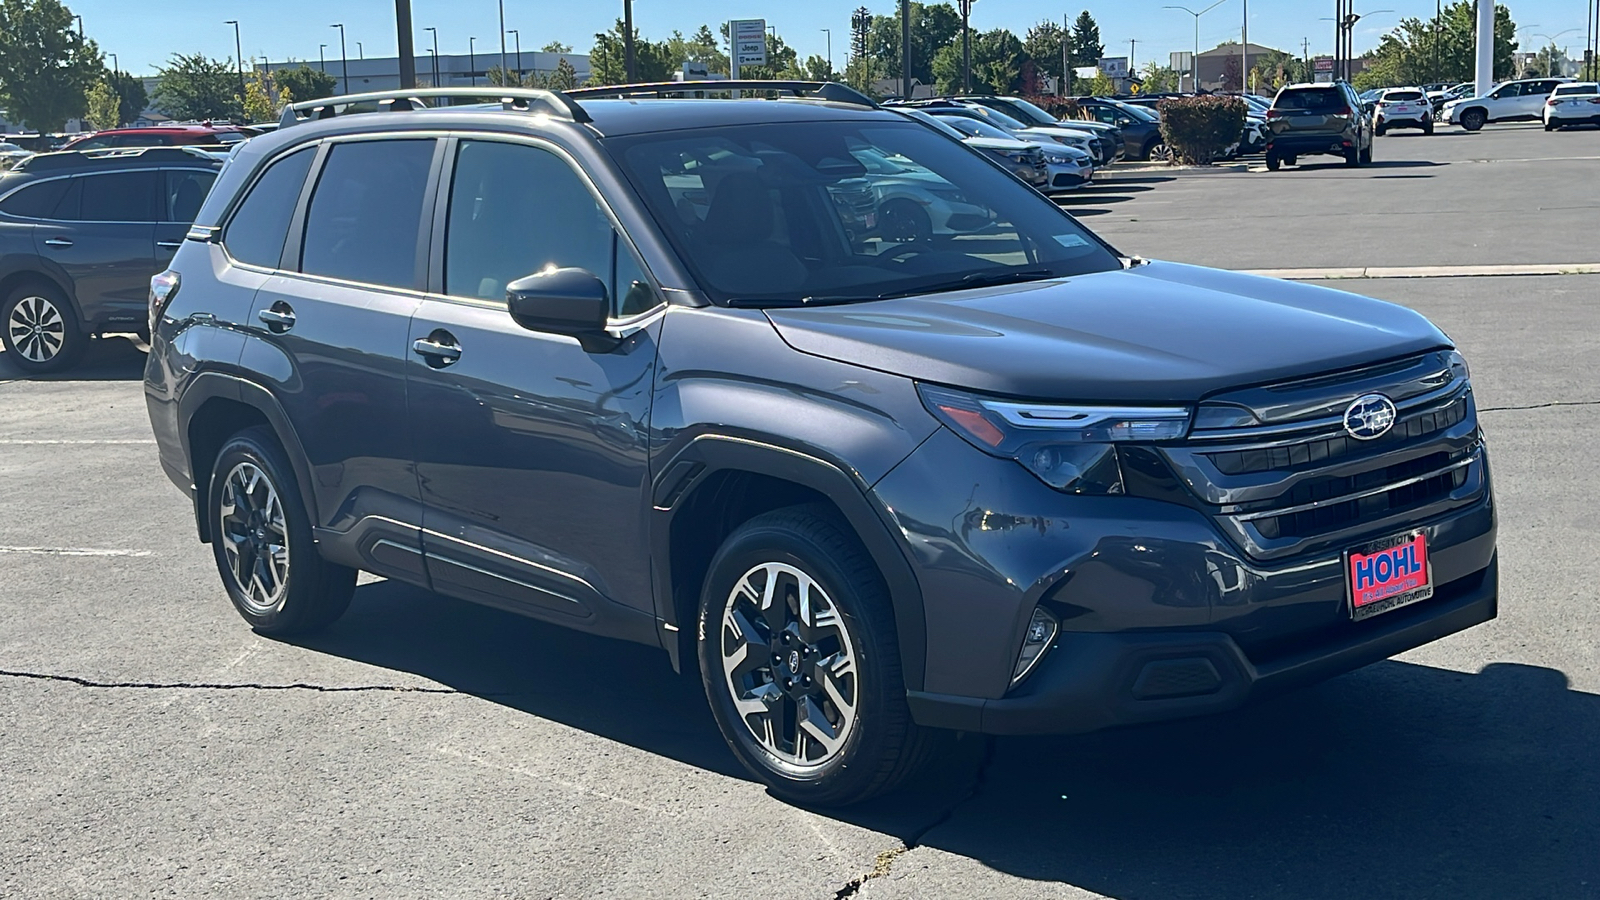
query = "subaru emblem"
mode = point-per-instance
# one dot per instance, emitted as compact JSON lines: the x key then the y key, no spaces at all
{"x":1369,"y":417}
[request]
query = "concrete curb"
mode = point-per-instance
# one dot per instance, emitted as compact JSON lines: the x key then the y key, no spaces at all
{"x":1113,"y":171}
{"x":1335,"y":274}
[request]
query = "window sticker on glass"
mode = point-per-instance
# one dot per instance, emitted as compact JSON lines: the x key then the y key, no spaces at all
{"x":1070,"y":240}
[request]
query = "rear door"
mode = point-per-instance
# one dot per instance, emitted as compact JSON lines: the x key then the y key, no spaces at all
{"x":532,"y":450}
{"x":102,"y":236}
{"x":328,"y":338}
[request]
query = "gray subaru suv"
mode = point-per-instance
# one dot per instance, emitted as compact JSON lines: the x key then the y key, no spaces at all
{"x":645,"y":366}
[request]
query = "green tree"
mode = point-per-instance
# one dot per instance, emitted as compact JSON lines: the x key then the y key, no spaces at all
{"x":505,"y":78}
{"x":1087,"y":49}
{"x":101,"y":106}
{"x":131,"y":96}
{"x":997,"y":59}
{"x":701,"y":47}
{"x":1274,"y":69}
{"x":1159,"y":79}
{"x":933,"y":27}
{"x":608,"y":59}
{"x":1043,"y":43}
{"x":556,"y":47}
{"x":1443,"y":49}
{"x":1099,"y":86}
{"x":815,"y":68}
{"x":564,"y":78}
{"x":305,"y":82}
{"x":198,"y":87}
{"x":260,"y":97}
{"x":46,"y":69}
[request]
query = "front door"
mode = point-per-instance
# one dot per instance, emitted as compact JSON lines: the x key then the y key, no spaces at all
{"x":102,"y":234}
{"x":329,"y":339}
{"x":532,"y":451}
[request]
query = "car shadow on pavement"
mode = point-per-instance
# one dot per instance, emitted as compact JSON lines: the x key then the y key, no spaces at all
{"x":1398,"y":780}
{"x":111,"y":358}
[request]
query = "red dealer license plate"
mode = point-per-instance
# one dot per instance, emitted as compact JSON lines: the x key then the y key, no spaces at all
{"x":1388,"y":574}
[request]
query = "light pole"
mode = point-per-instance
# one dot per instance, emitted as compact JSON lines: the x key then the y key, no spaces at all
{"x":1244,"y":53}
{"x":966,"y":46}
{"x":518,"y":35}
{"x":80,"y":26}
{"x":630,"y":66}
{"x":238,"y":54}
{"x":905,"y":49}
{"x":1194,"y":61}
{"x":433,"y":65}
{"x":360,"y":53}
{"x":322,"y":60}
{"x":503,"y":42}
{"x":344,"y":61}
{"x":114,"y":67}
{"x":435,"y":55}
{"x":829,"y":33}
{"x":472,"y":59}
{"x":1550,"y":70}
{"x":408,"y":54}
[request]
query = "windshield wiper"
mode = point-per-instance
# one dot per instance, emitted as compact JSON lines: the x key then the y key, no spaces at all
{"x":974,"y":280}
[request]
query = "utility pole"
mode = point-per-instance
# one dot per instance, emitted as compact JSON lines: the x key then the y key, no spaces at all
{"x":966,"y":46}
{"x":344,"y":62}
{"x":1244,"y":52}
{"x":503,"y":45}
{"x":408,"y":53}
{"x":629,"y":65}
{"x":1133,"y":44}
{"x":1066,"y":59}
{"x":472,"y":59}
{"x":905,"y":49}
{"x":238,"y":54}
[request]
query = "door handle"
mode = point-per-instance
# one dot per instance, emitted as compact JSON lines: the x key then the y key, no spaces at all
{"x":57,"y":242}
{"x":170,"y":245}
{"x":438,"y":349}
{"x":279,"y":317}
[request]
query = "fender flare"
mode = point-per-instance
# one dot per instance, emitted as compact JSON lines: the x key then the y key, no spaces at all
{"x":216,"y":385}
{"x":39,"y":268}
{"x":707,"y":454}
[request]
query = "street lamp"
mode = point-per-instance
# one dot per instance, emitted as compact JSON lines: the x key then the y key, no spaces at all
{"x":503,"y":42}
{"x":238,"y":55}
{"x":829,"y":33}
{"x":80,"y":26}
{"x":114,"y":66}
{"x":433,"y":64}
{"x":1550,"y":70}
{"x":472,"y":59}
{"x":435,"y":54}
{"x":344,"y":60}
{"x":360,"y":53}
{"x":1194,"y":61}
{"x":322,"y":61}
{"x":518,"y":35}
{"x":966,"y":46}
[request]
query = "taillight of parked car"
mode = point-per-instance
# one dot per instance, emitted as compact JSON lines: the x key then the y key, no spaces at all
{"x":163,"y":288}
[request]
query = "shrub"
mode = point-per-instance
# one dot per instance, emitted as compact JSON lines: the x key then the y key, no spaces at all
{"x":1198,"y":129}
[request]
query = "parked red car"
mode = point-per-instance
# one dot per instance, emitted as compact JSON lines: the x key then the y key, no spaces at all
{"x":162,"y":136}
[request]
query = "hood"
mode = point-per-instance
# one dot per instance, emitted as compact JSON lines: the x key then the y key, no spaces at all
{"x":1050,"y":135}
{"x":1001,"y":144}
{"x":1161,"y":332}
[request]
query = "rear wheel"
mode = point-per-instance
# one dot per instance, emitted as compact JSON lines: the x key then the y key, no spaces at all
{"x":1290,"y":160}
{"x":1273,"y":162}
{"x":1366,"y":156}
{"x":1352,"y":157}
{"x":1551,"y":125}
{"x":40,"y":330}
{"x":1427,"y":126}
{"x":799,"y":660}
{"x":1474,"y":119}
{"x":261,"y":538}
{"x":1382,"y":129}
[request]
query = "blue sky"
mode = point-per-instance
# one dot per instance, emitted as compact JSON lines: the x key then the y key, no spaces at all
{"x":143,"y":34}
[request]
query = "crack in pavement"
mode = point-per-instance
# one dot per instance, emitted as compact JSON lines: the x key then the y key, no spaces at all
{"x":885,"y":860}
{"x":1540,"y":405}
{"x":240,"y":686}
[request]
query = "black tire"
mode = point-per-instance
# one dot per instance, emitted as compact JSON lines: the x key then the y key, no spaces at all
{"x":39,"y":329}
{"x":1366,"y":156}
{"x":904,"y":222}
{"x":1273,"y":162}
{"x":1291,"y":160}
{"x":1474,"y":119}
{"x":1551,"y":126}
{"x":308,"y":592}
{"x":878,"y":744}
{"x":1427,"y":127}
{"x":1382,"y":129}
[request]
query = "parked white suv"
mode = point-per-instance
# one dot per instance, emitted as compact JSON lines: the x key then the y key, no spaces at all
{"x":1403,"y":108}
{"x":1572,"y":104}
{"x":1507,"y":102}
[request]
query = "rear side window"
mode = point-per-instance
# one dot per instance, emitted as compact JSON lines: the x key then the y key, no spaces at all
{"x":36,"y":201}
{"x":119,"y":197}
{"x":366,"y":211}
{"x":184,"y":191}
{"x":1321,"y":100}
{"x":261,"y":224}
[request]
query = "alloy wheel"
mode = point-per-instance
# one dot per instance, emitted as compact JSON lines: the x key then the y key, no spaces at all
{"x":789,"y":666}
{"x":255,"y":537}
{"x":36,"y":329}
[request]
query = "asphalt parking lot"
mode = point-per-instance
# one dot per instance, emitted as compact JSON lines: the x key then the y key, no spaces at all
{"x":150,"y":744}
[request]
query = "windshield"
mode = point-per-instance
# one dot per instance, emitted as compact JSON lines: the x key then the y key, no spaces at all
{"x":1025,"y":110}
{"x":1138,"y":112}
{"x":974,"y":128}
{"x":796,"y":213}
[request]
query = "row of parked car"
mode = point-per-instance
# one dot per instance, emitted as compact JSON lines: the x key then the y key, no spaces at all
{"x":1557,"y":102}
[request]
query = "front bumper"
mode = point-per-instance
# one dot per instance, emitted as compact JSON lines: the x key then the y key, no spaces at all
{"x":1162,"y":615}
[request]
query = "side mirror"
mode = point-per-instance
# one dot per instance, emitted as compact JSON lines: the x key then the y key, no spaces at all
{"x":1124,"y":122}
{"x":562,"y":301}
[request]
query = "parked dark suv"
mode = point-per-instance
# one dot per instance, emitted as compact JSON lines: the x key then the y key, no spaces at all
{"x":80,"y":235}
{"x":1309,"y":119}
{"x":642,"y":367}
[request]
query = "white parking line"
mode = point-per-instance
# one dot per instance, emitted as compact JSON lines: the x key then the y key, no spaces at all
{"x":1331,"y":274}
{"x":23,"y":442}
{"x":72,"y":551}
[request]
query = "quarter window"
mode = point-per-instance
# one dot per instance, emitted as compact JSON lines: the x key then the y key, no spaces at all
{"x":516,"y":210}
{"x":366,"y":212}
{"x":36,"y":201}
{"x":261,"y":224}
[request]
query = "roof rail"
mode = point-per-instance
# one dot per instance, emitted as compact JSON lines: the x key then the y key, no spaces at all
{"x":71,"y":159}
{"x":405,"y":99}
{"x":806,"y":90}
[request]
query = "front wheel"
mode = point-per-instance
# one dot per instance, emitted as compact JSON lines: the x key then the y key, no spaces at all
{"x":40,"y":332}
{"x":1366,"y":156}
{"x":799,"y":661}
{"x":1382,"y":129}
{"x":1273,"y":162}
{"x":261,"y":538}
{"x":1474,"y":119}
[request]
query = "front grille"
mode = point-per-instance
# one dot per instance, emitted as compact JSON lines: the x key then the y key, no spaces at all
{"x":1303,"y":485}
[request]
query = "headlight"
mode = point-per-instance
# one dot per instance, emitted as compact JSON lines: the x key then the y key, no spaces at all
{"x":1070,"y":448}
